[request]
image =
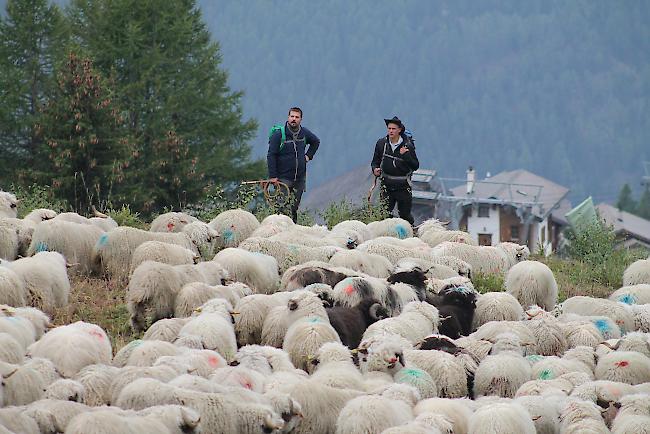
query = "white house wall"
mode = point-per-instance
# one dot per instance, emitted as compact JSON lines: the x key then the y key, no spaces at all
{"x":535,"y":244}
{"x":484,"y":225}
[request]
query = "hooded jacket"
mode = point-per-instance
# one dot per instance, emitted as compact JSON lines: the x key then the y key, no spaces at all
{"x":288,"y":161}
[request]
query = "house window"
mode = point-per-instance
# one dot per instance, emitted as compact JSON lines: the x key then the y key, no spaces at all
{"x":514,"y":233}
{"x":484,"y":210}
{"x":484,"y":239}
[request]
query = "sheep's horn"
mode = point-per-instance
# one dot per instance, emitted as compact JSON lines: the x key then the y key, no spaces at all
{"x":10,"y":374}
{"x":198,"y":310}
{"x":97,"y":213}
{"x":354,"y":351}
{"x":608,"y":345}
{"x":70,"y":265}
{"x":268,"y":422}
{"x":535,"y":417}
{"x":444,"y":318}
{"x":530,"y":315}
{"x":235,"y":313}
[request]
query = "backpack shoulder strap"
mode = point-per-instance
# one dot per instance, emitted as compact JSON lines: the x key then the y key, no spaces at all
{"x":283,"y":134}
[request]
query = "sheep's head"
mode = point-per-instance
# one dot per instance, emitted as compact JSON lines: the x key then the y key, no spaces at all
{"x":440,"y":343}
{"x":200,"y":233}
{"x":415,"y":277}
{"x":8,"y":205}
{"x":381,"y":354}
{"x":333,"y":352}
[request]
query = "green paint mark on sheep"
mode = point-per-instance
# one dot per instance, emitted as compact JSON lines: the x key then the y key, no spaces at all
{"x":41,"y":247}
{"x":401,"y":232}
{"x":535,"y":358}
{"x":314,"y":320}
{"x":415,"y":373}
{"x":546,"y":374}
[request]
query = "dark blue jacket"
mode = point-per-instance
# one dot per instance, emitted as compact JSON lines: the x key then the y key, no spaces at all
{"x":289,"y":162}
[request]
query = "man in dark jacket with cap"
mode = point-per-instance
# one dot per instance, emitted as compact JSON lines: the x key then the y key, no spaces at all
{"x":287,"y":161}
{"x":394,"y":161}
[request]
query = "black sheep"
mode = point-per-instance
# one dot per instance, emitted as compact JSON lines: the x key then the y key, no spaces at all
{"x":416,"y":278}
{"x":307,"y":276}
{"x":456,"y":307}
{"x":351,"y":322}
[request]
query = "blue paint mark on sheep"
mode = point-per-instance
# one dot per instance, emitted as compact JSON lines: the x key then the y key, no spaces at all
{"x":462,"y":289}
{"x":41,"y":247}
{"x":401,"y":232}
{"x":410,"y":372}
{"x":314,"y":320}
{"x":228,"y":236}
{"x":627,"y":299}
{"x":603,"y":327}
{"x":535,"y":358}
{"x":103,"y":240}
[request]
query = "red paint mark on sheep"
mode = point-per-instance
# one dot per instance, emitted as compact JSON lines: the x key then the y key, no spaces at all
{"x":348,"y":289}
{"x":170,"y":227}
{"x":96,"y":334}
{"x":622,"y":363}
{"x":213,"y":361}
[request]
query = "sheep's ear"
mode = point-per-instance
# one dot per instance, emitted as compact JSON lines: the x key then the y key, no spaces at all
{"x":375,"y":312}
{"x":190,"y":418}
{"x":617,"y":404}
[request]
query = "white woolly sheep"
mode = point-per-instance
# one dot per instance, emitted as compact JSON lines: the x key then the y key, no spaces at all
{"x":624,"y":366}
{"x":286,"y":254}
{"x":304,"y":337}
{"x":96,"y":381}
{"x":484,"y":259}
{"x":351,"y":290}
{"x":53,"y":415}
{"x":419,"y":379}
{"x":602,"y":392}
{"x":374,"y":413}
{"x":581,"y":332}
{"x":550,"y":339}
{"x":46,"y":279}
{"x":632,"y":294}
{"x":234,"y":226}
{"x":257,"y":270}
{"x":578,"y":416}
{"x":73,"y":346}
{"x":455,"y":410}
{"x":171,"y":222}
{"x":445,"y":370}
{"x":252,"y":312}
{"x":633,"y":415}
{"x":418,"y":320}
{"x":39,"y":320}
{"x":19,"y":328}
{"x":114,"y":249}
{"x":532,"y":283}
{"x":102,"y":221}
{"x":589,"y":306}
{"x":334,"y":367}
{"x":544,"y":411}
{"x":353,"y":225}
{"x":218,"y":412}
{"x":65,"y":390}
{"x":363,"y":262}
{"x":162,"y":252}
{"x":8,"y":205}
{"x":433,"y":238}
{"x":301,"y":304}
{"x":239,"y":377}
{"x":154,"y":286}
{"x":636,"y":273}
{"x":461,"y":267}
{"x":391,"y":227}
{"x":73,"y":240}
{"x":502,"y":372}
{"x":12,"y":288}
{"x":506,"y":418}
{"x":496,"y":306}
{"x":165,"y":329}
{"x":14,"y":420}
{"x":21,"y":384}
{"x":394,"y":249}
{"x":10,"y":245}
{"x":10,"y":349}
{"x":215,"y":331}
{"x":143,"y":353}
{"x":578,"y":359}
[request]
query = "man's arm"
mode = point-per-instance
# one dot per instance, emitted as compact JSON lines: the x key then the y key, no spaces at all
{"x":376,"y":158}
{"x":313,"y":141}
{"x":272,"y":154}
{"x":411,"y":158}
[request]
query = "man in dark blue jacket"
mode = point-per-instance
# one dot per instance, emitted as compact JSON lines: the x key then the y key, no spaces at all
{"x":287,"y":161}
{"x":393,"y":161}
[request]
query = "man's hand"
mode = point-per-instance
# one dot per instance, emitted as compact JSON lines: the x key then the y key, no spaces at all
{"x":307,"y":157}
{"x":273,"y":180}
{"x":403,"y":150}
{"x":376,"y":171}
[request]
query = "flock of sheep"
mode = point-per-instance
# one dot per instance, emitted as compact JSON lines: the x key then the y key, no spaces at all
{"x":292,"y":329}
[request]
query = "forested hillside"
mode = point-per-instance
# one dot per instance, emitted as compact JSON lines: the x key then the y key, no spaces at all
{"x":558,"y":88}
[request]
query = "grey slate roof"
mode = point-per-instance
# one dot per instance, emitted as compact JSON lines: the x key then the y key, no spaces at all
{"x":517,"y":186}
{"x":624,"y":222}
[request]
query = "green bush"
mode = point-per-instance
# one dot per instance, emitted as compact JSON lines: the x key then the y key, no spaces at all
{"x":593,"y":244}
{"x":337,"y":212}
{"x":488,"y":282}
{"x":125,"y":217}
{"x":36,"y":196}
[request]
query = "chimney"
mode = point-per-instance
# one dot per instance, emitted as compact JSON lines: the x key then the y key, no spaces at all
{"x":471,"y":177}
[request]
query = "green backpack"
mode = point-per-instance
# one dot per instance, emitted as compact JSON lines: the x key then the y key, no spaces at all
{"x":280,"y":128}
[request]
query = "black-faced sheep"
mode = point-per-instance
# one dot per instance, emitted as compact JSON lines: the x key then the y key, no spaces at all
{"x":351,"y":322}
{"x":456,"y":307}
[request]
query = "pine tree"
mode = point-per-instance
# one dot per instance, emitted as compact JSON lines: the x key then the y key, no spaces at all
{"x":168,"y":77}
{"x":85,"y":144}
{"x":643,"y":208}
{"x":625,"y":200}
{"x":31,"y":39}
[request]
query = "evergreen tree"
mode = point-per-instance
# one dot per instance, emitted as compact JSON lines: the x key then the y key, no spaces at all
{"x":643,"y":208}
{"x":31,"y":39}
{"x":168,"y":76}
{"x":625,"y":200}
{"x":85,"y":144}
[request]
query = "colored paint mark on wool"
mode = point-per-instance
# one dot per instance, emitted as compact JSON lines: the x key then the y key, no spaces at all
{"x":603,"y":327}
{"x":627,"y":299}
{"x":314,"y":320}
{"x":228,"y":236}
{"x":622,"y":363}
{"x":534,"y":358}
{"x":41,"y":247}
{"x":349,"y":289}
{"x":546,"y":374}
{"x":415,"y":373}
{"x":103,"y":240}
{"x":401,"y":232}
